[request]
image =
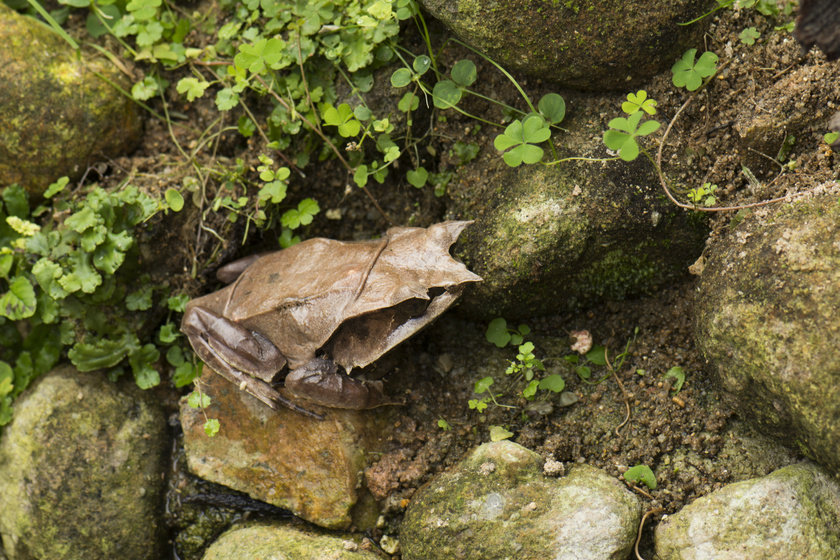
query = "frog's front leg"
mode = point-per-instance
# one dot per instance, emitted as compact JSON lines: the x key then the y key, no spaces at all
{"x":320,"y":382}
{"x":241,"y":356}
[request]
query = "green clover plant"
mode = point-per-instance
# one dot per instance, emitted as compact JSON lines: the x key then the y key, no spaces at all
{"x":690,"y":74}
{"x":623,"y":134}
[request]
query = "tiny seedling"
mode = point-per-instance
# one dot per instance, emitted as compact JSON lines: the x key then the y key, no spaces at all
{"x":443,"y":425}
{"x":677,"y":373}
{"x":831,"y":137}
{"x":643,"y":474}
{"x":482,"y":386}
{"x":749,"y":35}
{"x":703,"y":195}
{"x":200,"y":400}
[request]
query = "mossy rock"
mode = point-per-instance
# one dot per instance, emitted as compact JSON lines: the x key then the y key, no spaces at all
{"x":767,"y":323}
{"x":555,"y":239}
{"x":82,"y":462}
{"x":60,"y":110}
{"x":497,"y":503}
{"x":584,"y":44}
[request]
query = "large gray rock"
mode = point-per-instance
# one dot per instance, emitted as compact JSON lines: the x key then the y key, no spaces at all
{"x":81,"y":466}
{"x":497,"y":503}
{"x":553,"y":239}
{"x":308,"y":466}
{"x":585,"y":44}
{"x":280,"y":542}
{"x":57,"y":116}
{"x":767,"y":322}
{"x":791,"y":513}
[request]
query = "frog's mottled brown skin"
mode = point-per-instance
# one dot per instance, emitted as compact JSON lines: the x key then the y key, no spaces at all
{"x":323,"y":303}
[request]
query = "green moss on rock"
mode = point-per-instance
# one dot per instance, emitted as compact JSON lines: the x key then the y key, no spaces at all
{"x":614,"y":43}
{"x":59,"y":112}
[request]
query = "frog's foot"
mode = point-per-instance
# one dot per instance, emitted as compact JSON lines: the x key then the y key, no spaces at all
{"x":319,"y":381}
{"x":238,"y":355}
{"x":266,"y":393}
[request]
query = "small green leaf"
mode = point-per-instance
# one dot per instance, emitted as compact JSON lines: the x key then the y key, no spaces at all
{"x":360,"y":176}
{"x":497,"y":333}
{"x":19,"y":302}
{"x":464,"y":73}
{"x":597,"y":355}
{"x":641,"y":473}
{"x":167,"y":334}
{"x":689,"y":74}
{"x":226,"y":99}
{"x":749,"y":35}
{"x":639,"y":101}
{"x":482,"y":385}
{"x":192,"y":88}
{"x":82,"y":220}
{"x":246,"y":126}
{"x":409,"y":102}
{"x":531,"y":389}
{"x":401,"y":77}
{"x":552,"y":107}
{"x":56,"y":187}
{"x":677,"y":373}
{"x":442,"y":424}
{"x":623,"y":133}
{"x":141,"y":300}
{"x":198,"y":400}
{"x":211,"y":427}
{"x":519,"y":139}
{"x":446,"y":94}
{"x":417,"y":177}
{"x":174,"y":199}
{"x":831,"y":137}
{"x":421,"y":64}
{"x":498,"y":433}
{"x":343,"y":118}
{"x":553,"y":383}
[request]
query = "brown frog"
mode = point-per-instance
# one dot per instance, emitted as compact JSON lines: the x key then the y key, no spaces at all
{"x":321,"y":304}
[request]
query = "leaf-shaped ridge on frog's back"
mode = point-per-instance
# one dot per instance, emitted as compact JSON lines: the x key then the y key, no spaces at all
{"x":414,"y":268}
{"x":819,"y":24}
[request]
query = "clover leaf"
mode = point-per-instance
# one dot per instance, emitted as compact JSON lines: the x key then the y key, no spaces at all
{"x":623,"y":138}
{"x":192,"y":87}
{"x":343,"y":118}
{"x":255,"y":58}
{"x":749,"y":35}
{"x":302,"y":215}
{"x":639,"y":101}
{"x":519,"y":139}
{"x":689,"y":74}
